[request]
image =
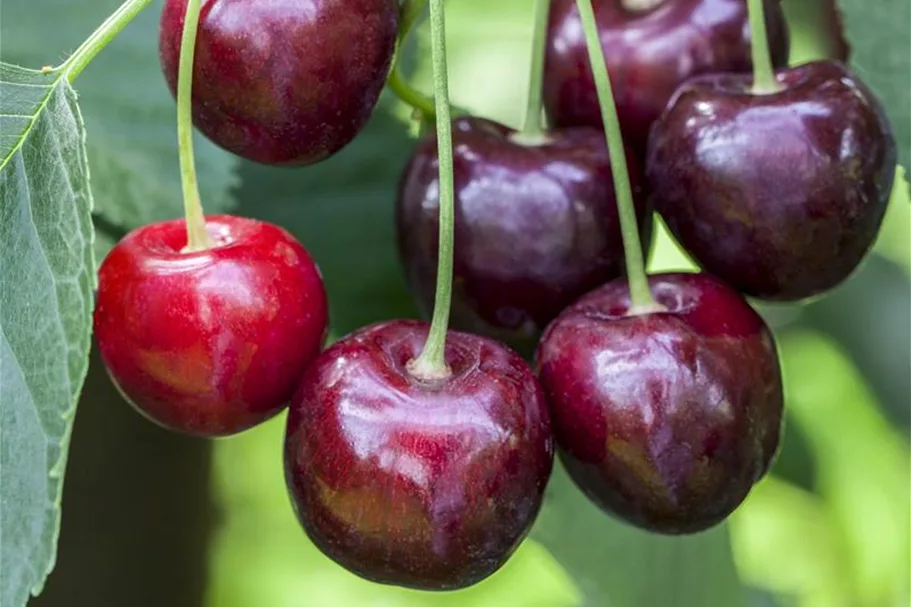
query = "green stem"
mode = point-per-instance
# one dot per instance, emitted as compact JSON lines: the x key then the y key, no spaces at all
{"x":431,"y":363}
{"x":532,"y":129}
{"x":422,"y":104}
{"x":100,"y":38}
{"x":409,"y":95}
{"x":198,"y":238}
{"x":763,"y":72}
{"x":408,"y":16}
{"x":640,"y":296}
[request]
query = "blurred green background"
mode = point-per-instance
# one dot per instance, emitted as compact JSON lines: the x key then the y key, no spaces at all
{"x":154,"y":519}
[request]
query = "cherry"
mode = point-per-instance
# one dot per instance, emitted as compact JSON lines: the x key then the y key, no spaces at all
{"x":779,"y":194}
{"x":651,"y":46}
{"x":283,"y":83}
{"x":536,"y":225}
{"x":211,"y":342}
{"x":665,"y":419}
{"x":428,"y":484}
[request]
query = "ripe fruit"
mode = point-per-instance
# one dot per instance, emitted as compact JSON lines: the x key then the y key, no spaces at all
{"x":283,"y":83}
{"x":649,"y":52}
{"x":211,"y":342}
{"x":424,"y":484}
{"x":778,"y":194}
{"x":536,"y":226}
{"x":665,"y":419}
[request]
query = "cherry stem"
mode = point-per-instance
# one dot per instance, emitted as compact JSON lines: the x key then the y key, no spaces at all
{"x":431,"y":363}
{"x":100,"y":38}
{"x":763,"y":73}
{"x":407,"y":94}
{"x":641,"y":299}
{"x":422,"y":104}
{"x":533,"y":129}
{"x":198,"y":238}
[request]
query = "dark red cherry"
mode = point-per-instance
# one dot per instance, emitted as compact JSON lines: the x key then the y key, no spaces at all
{"x":664,"y":419}
{"x":279,"y":82}
{"x":536,"y":225}
{"x":212,"y":342}
{"x":779,"y":194}
{"x":649,"y":51}
{"x":425,"y":484}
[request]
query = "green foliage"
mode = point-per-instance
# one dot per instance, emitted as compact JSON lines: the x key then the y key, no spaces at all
{"x":863,"y":466}
{"x":881,"y":54}
{"x":129,"y":112}
{"x":844,"y":542}
{"x":47,"y":277}
{"x":342,"y":210}
{"x":618,"y":565}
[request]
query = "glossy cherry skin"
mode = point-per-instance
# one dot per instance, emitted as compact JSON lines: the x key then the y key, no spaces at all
{"x":424,"y":484}
{"x":536,"y":226}
{"x":664,"y":419}
{"x":279,"y":82}
{"x":780,"y":195}
{"x":648,"y":54}
{"x":213,"y":342}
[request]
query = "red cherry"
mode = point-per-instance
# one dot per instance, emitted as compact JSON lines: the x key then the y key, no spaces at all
{"x":781,"y":195}
{"x":425,"y":484}
{"x":536,"y":225}
{"x":649,"y":52}
{"x":279,"y":82}
{"x":665,"y":419}
{"x":212,"y":342}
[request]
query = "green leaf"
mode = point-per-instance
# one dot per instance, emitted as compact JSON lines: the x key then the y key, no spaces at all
{"x":616,"y":565}
{"x":863,"y":464}
{"x":47,"y":278}
{"x":881,"y":54}
{"x":788,"y":543}
{"x":866,"y":316}
{"x":343,"y":212}
{"x":128,"y":110}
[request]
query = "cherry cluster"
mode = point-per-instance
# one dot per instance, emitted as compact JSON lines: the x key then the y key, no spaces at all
{"x":423,"y":462}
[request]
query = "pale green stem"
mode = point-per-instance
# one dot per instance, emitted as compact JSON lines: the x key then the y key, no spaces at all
{"x":431,"y":363}
{"x":763,"y":73}
{"x":532,"y":127}
{"x":641,"y":299}
{"x":198,"y":238}
{"x":400,"y":87}
{"x":100,"y":38}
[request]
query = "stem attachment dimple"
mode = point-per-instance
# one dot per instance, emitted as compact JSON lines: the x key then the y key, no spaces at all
{"x":764,"y":81}
{"x":640,"y":6}
{"x":431,"y":363}
{"x":641,"y":300}
{"x":198,"y":238}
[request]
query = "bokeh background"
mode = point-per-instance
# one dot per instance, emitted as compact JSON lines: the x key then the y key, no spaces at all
{"x":152,"y":519}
